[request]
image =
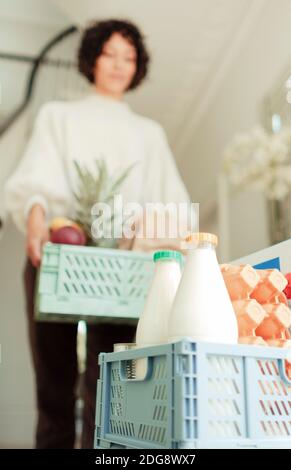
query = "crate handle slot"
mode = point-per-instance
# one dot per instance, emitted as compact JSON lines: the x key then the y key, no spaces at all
{"x":148,"y":374}
{"x":282,"y":371}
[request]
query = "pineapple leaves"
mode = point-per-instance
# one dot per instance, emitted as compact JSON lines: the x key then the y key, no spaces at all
{"x":93,"y":187}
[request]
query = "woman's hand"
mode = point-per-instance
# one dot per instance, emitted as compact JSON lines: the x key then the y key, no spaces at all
{"x":37,"y":234}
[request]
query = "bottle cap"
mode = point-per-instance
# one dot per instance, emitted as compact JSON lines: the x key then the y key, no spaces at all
{"x":200,"y":237}
{"x":167,"y":254}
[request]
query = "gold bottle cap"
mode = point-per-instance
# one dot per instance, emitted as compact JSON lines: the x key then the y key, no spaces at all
{"x":202,"y":237}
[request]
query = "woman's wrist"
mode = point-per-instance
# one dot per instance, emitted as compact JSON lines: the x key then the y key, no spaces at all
{"x":36,"y":219}
{"x":37,"y":233}
{"x":36,"y":199}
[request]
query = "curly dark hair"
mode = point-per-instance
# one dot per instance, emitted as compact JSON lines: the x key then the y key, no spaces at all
{"x":97,"y":34}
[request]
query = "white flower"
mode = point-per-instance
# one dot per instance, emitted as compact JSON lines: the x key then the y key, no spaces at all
{"x":278,"y":149}
{"x":260,"y":161}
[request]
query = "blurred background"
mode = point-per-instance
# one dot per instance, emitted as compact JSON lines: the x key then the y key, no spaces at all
{"x":219,"y":84}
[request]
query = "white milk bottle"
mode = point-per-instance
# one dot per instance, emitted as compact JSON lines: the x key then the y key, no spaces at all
{"x":202,"y":309}
{"x":152,"y":327}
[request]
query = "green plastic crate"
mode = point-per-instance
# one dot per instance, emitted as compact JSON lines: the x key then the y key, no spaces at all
{"x":95,"y":284}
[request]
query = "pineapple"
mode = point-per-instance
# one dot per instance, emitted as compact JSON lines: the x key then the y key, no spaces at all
{"x":93,"y":188}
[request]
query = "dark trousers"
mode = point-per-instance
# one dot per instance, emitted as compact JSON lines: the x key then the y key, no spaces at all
{"x":53,"y":347}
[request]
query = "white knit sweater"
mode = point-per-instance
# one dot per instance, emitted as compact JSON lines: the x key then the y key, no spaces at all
{"x":94,"y":127}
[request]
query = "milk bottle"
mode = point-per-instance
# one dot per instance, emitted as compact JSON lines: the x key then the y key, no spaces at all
{"x":202,"y":308}
{"x":152,"y":327}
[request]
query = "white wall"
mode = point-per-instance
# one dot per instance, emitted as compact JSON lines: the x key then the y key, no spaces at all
{"x":38,"y":12}
{"x":17,"y":409}
{"x":265,"y":52}
{"x":25,"y":26}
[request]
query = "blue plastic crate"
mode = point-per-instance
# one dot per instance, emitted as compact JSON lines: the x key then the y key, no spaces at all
{"x":195,"y":395}
{"x":96,"y":284}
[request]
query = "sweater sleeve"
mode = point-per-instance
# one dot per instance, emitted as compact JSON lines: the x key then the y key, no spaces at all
{"x":40,"y":176}
{"x":163,"y":181}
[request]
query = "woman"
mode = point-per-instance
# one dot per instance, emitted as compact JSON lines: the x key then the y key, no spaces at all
{"x":113,"y":57}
